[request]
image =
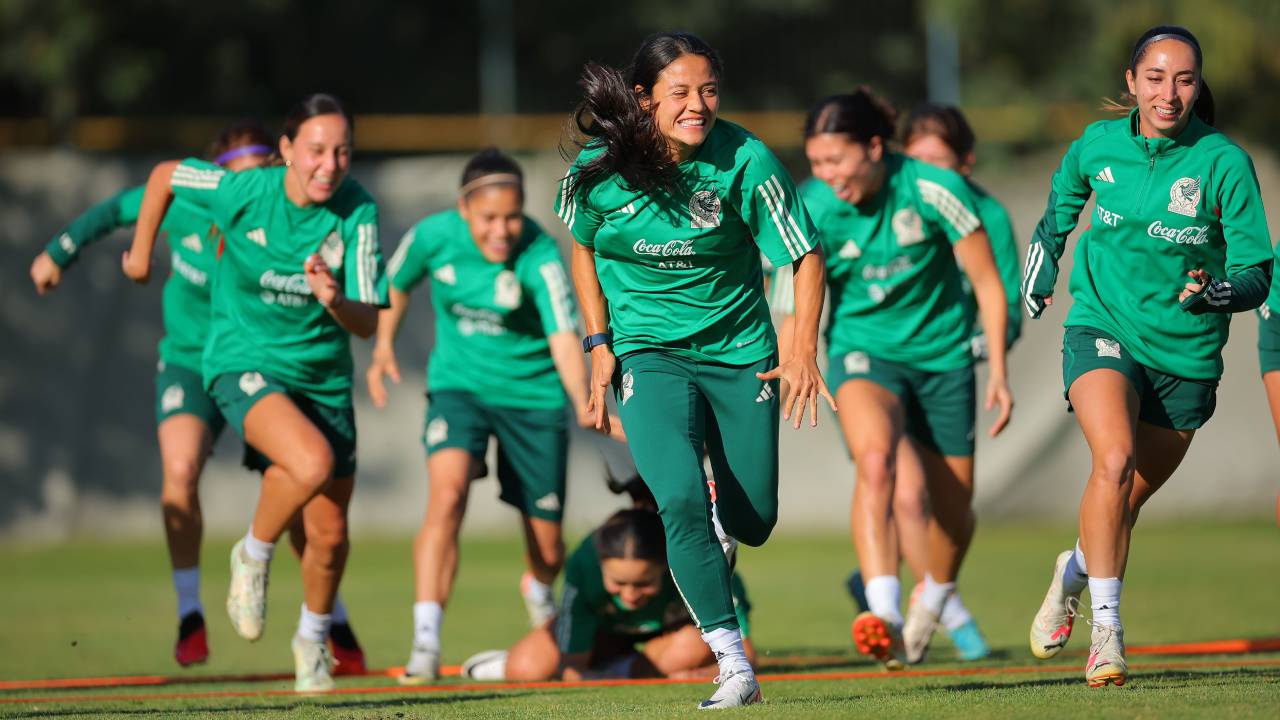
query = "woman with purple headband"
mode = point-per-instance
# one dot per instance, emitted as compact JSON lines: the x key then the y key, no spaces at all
{"x":188,"y":420}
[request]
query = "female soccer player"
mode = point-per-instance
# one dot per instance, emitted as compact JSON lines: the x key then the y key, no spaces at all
{"x":277,"y":361}
{"x":940,"y":136}
{"x":665,"y":201}
{"x":1269,"y":353}
{"x":900,"y":354}
{"x":505,"y":358}
{"x":1142,"y":351}
{"x":617,"y":593}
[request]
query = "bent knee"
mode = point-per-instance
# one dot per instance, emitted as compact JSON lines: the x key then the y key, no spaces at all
{"x":875,"y":469}
{"x":1114,"y":466}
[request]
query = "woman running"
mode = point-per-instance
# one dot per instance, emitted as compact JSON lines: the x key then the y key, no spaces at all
{"x":940,"y":135}
{"x":505,"y":358}
{"x":618,"y":593}
{"x":670,"y":208}
{"x":900,"y":353}
{"x":1269,"y":354}
{"x":1177,"y":242}
{"x":277,"y":361}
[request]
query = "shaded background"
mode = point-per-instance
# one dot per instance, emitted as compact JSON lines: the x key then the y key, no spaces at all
{"x":93,"y":93}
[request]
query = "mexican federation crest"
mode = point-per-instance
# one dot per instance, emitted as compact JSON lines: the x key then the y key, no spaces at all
{"x":908,"y":227}
{"x":1184,"y":196}
{"x":331,"y":251}
{"x":704,"y":209}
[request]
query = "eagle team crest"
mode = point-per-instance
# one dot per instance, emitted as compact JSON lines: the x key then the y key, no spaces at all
{"x":1184,"y":196}
{"x":704,"y":209}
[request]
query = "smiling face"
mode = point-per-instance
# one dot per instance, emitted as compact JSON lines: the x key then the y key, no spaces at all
{"x":1166,"y":84}
{"x":684,"y":101}
{"x":495,"y":217}
{"x":633,"y":582}
{"x":318,"y":158}
{"x":854,"y":170}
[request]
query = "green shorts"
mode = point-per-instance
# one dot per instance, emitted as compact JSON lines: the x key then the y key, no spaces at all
{"x":937,"y":407}
{"x":1163,"y":400}
{"x":235,"y":393}
{"x":533,"y":447}
{"x":180,"y":391}
{"x":1268,"y":340}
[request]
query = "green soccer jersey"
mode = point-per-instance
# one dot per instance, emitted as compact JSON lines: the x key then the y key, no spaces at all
{"x":995,"y":220}
{"x":896,"y":291}
{"x":682,"y":273}
{"x":1164,"y":206}
{"x":265,"y":318}
{"x":492,"y":319}
{"x":193,"y":252}
{"x":588,"y":610}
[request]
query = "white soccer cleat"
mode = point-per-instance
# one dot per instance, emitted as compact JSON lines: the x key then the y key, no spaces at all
{"x":247,"y":595}
{"x":1106,"y":665}
{"x":539,"y":601}
{"x":736,"y":690}
{"x":1051,"y":627}
{"x":917,"y":632}
{"x":489,"y":665}
{"x":312,"y":666}
{"x":423,"y":665}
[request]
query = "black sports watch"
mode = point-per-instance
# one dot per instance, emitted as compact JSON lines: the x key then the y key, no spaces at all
{"x":591,"y":341}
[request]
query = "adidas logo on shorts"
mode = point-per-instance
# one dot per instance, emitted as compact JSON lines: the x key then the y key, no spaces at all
{"x":766,"y":393}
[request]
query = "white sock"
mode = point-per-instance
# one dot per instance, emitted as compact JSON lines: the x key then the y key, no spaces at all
{"x":533,"y":588}
{"x":954,"y":613}
{"x":1104,"y":594}
{"x":934,"y":595}
{"x":427,"y":619}
{"x":1075,"y":575}
{"x":339,"y":611}
{"x":314,"y":627}
{"x":256,"y":549}
{"x":884,"y":598}
{"x":187,"y":582}
{"x":726,"y":644}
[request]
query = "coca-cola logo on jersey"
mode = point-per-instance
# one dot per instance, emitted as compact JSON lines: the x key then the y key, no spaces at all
{"x":672,"y":248}
{"x":1190,"y":235}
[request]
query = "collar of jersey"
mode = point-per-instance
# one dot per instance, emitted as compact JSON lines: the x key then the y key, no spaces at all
{"x":1162,"y":146}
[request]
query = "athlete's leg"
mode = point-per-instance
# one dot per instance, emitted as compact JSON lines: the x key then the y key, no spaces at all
{"x":1159,"y":451}
{"x":544,"y":548}
{"x":950,"y":486}
{"x":871,"y":418}
{"x":185,"y":442}
{"x":911,"y":509}
{"x":302,"y":462}
{"x":535,"y":657}
{"x":1106,"y":407}
{"x":435,"y":549}
{"x":325,"y":557}
{"x":676,"y":654}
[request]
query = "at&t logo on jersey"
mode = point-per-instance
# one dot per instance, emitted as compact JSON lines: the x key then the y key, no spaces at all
{"x":1190,"y":235}
{"x":1184,"y":196}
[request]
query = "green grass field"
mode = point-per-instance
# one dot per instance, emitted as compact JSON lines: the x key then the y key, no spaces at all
{"x":106,"y":609}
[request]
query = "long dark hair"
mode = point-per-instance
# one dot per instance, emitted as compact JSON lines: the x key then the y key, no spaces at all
{"x":859,"y":115}
{"x":632,"y":534}
{"x":241,"y":133}
{"x":313,"y":106}
{"x":611,"y":116}
{"x":1205,"y":108}
{"x":945,"y":122}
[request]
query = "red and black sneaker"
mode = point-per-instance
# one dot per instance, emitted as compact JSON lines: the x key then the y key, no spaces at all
{"x":193,"y":641}
{"x":346,"y":650}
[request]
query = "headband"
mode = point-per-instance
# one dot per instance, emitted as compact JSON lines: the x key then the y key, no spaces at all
{"x":487,"y":180}
{"x":1187,"y":38}
{"x":241,"y":151}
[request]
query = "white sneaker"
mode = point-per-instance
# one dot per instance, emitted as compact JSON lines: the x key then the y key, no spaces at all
{"x":541,"y":607}
{"x":736,"y":690}
{"x":423,"y":665}
{"x":312,"y":666}
{"x":487,"y":665}
{"x":1106,"y":665}
{"x":1051,"y":627}
{"x":247,"y":595}
{"x":917,"y":632}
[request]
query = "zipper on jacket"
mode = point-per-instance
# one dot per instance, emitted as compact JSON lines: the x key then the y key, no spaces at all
{"x":1142,"y":191}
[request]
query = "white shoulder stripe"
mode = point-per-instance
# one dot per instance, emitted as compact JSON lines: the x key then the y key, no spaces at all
{"x":558,"y":290}
{"x":402,"y":252}
{"x":950,"y":207}
{"x":1035,"y":260}
{"x":196,"y":178}
{"x":568,"y":207}
{"x":803,"y":242}
{"x":775,"y":212}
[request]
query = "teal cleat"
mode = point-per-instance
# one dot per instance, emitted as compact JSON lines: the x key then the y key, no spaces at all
{"x":970,"y":645}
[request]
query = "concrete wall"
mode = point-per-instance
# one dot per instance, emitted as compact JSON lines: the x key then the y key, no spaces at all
{"x":77,"y":438}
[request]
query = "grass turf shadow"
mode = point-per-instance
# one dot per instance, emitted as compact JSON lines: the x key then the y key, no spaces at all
{"x":407,"y":702}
